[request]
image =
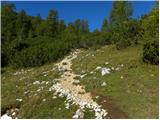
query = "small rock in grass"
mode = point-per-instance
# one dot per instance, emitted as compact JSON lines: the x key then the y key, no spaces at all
{"x":61,"y":95}
{"x":67,"y":105}
{"x":117,"y":69}
{"x":43,"y":82}
{"x":106,"y":63}
{"x":55,"y":93}
{"x":105,"y":71}
{"x":122,"y":65}
{"x":47,"y":82}
{"x":82,"y":76}
{"x":97,"y":97}
{"x":44,"y":100}
{"x":75,"y":117}
{"x":78,"y":114}
{"x":45,"y":75}
{"x":121,"y":77}
{"x":59,"y":108}
{"x":13,"y":113}
{"x":38,"y":90}
{"x":36,"y":82}
{"x":82,"y":71}
{"x":20,"y":100}
{"x":98,"y":68}
{"x":91,"y":72}
{"x":54,"y":97}
{"x":50,"y":89}
{"x":16,"y":73}
{"x":103,"y":84}
{"x":26,"y":92}
{"x":112,"y":68}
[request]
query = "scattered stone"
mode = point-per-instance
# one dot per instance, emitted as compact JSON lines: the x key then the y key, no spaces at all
{"x":82,"y":71}
{"x":72,"y":95}
{"x":38,"y":90}
{"x":67,"y":105}
{"x":103,"y":84}
{"x":43,"y":82}
{"x":47,"y":82}
{"x":91,"y":72}
{"x":98,"y":68}
{"x":54,"y":97}
{"x":117,"y":69}
{"x":106,"y":63}
{"x":26,"y":92}
{"x":82,"y":76}
{"x":122,"y":65}
{"x":45,"y":75}
{"x":59,"y":108}
{"x":76,"y":81}
{"x":36,"y":82}
{"x":87,"y":55}
{"x":13,"y":113}
{"x":112,"y":68}
{"x":5,"y":117}
{"x":97,"y":97}
{"x":73,"y":98}
{"x":44,"y":100}
{"x":60,"y":69}
{"x":61,"y":95}
{"x":78,"y":114}
{"x":105,"y":71}
{"x":75,"y":117}
{"x":16,"y":73}
{"x":50,"y":89}
{"x":20,"y":100}
{"x":121,"y":77}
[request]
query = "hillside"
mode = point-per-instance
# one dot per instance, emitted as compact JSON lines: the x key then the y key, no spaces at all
{"x":102,"y":83}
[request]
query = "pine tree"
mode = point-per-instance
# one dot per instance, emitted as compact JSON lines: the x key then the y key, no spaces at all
{"x":104,"y":27}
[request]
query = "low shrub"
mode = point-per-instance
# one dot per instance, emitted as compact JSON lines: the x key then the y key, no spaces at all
{"x":151,"y":53}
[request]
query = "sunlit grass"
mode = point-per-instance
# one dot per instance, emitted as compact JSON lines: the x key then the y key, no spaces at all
{"x":134,"y":87}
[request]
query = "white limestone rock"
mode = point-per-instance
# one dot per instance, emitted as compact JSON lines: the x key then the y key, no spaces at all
{"x":105,"y":71}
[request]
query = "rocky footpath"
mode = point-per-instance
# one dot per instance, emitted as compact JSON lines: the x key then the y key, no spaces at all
{"x":75,"y":94}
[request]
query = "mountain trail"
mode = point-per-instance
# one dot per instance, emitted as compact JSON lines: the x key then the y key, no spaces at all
{"x":75,"y":93}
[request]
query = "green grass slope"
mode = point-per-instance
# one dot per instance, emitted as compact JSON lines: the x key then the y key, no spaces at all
{"x":133,"y":89}
{"x":38,"y":102}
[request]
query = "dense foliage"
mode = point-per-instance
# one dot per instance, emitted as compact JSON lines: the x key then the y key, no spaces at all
{"x":32,"y":41}
{"x":151,"y":37}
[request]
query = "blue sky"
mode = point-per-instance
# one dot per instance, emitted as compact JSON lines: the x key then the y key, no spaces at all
{"x":93,"y":11}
